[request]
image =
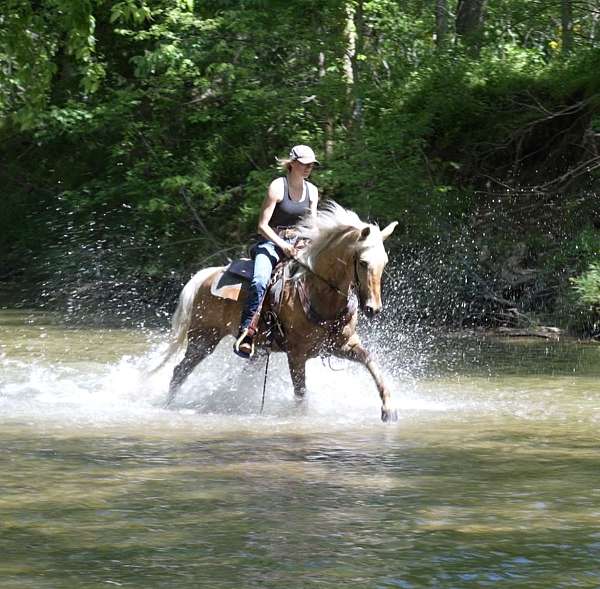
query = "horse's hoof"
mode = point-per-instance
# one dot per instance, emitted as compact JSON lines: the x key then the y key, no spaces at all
{"x":389,"y":415}
{"x":300,"y":404}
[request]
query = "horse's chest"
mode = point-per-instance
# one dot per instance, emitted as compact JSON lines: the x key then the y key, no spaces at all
{"x":316,"y":339}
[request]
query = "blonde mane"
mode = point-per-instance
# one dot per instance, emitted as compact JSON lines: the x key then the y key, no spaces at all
{"x":331,"y":222}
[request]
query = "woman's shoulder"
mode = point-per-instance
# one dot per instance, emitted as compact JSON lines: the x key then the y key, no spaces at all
{"x":279,"y":181}
{"x":277,"y":188}
{"x":313,"y":191}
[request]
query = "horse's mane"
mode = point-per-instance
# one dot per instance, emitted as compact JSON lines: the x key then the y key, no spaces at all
{"x":330,"y":222}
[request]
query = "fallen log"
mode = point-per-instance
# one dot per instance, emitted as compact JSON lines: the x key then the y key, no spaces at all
{"x":542,"y":331}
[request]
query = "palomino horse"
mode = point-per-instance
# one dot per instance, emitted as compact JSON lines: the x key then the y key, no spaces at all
{"x":318,"y":312}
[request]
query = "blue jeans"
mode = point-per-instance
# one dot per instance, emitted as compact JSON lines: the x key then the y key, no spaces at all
{"x":266,"y":257}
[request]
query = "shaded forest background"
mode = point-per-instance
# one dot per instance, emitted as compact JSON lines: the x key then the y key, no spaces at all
{"x":137,"y":138}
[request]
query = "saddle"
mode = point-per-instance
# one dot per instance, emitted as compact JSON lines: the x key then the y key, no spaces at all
{"x":234,"y":278}
{"x":232,"y":282}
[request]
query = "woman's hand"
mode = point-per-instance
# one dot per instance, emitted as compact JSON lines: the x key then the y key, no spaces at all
{"x":289,"y":250}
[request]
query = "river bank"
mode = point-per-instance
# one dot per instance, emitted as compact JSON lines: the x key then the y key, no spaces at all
{"x":409,"y":303}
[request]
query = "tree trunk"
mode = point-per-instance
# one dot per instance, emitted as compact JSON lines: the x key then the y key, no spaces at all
{"x":350,"y":45}
{"x":566,"y":17}
{"x":470,"y":18}
{"x":593,"y":25}
{"x":329,"y":126}
{"x":441,"y":23}
{"x":354,"y":47}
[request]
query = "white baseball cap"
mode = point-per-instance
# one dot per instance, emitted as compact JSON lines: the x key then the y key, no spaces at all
{"x":304,"y":154}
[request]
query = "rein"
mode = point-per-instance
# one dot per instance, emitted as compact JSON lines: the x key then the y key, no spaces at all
{"x":324,"y":280}
{"x":264,"y":390}
{"x":343,"y":317}
{"x":351,"y":297}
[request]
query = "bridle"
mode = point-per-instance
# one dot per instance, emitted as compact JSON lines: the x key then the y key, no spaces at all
{"x":352,"y":298}
{"x":354,"y":285}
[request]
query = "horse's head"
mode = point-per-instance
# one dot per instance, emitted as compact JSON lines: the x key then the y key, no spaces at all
{"x":369,"y":261}
{"x":344,"y":250}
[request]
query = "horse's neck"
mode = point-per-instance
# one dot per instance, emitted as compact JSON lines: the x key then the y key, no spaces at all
{"x":330,"y":284}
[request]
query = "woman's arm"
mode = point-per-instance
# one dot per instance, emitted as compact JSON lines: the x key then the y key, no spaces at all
{"x":274,"y":195}
{"x":313,"y":194}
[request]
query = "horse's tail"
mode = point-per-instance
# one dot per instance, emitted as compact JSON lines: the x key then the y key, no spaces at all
{"x":182,"y":317}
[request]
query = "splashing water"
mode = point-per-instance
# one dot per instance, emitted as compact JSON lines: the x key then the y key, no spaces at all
{"x":490,"y":476}
{"x":101,"y":376}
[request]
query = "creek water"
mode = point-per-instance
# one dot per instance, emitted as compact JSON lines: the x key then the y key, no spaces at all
{"x":490,"y":478}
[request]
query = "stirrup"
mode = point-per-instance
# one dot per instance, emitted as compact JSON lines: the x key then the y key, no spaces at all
{"x":244,"y":345}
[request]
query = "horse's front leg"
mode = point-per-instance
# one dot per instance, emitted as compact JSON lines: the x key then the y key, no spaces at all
{"x":297,"y":364}
{"x":354,"y":350}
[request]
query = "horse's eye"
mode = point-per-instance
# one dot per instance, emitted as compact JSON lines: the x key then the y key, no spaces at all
{"x":363,"y":263}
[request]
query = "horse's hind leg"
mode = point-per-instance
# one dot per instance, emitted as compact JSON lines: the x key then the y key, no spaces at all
{"x":200,"y":345}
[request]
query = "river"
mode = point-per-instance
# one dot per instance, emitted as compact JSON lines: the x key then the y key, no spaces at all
{"x":490,"y":478}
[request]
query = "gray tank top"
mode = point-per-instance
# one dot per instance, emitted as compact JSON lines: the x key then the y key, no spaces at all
{"x":288,"y":212}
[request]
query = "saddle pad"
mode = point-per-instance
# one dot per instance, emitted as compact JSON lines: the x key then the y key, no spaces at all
{"x":243,"y":267}
{"x":233,"y":280}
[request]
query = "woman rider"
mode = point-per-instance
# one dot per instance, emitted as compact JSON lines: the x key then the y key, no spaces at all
{"x":288,"y":199}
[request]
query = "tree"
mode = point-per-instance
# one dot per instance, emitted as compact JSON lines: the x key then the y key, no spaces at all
{"x":470,"y":17}
{"x":441,"y":23}
{"x":354,"y":55}
{"x":566,"y":26}
{"x":43,"y":44}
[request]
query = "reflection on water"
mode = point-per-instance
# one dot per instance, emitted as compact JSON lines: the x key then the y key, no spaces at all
{"x":490,"y":478}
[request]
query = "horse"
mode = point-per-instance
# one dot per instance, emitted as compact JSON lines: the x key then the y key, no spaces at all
{"x":337,"y":272}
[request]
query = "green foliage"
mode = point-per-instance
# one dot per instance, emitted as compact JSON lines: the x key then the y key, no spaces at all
{"x":587,"y":286}
{"x":152,"y":126}
{"x":46,"y":45}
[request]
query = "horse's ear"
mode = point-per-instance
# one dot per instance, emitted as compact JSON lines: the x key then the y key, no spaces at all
{"x":385,"y":233}
{"x":365,"y":233}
